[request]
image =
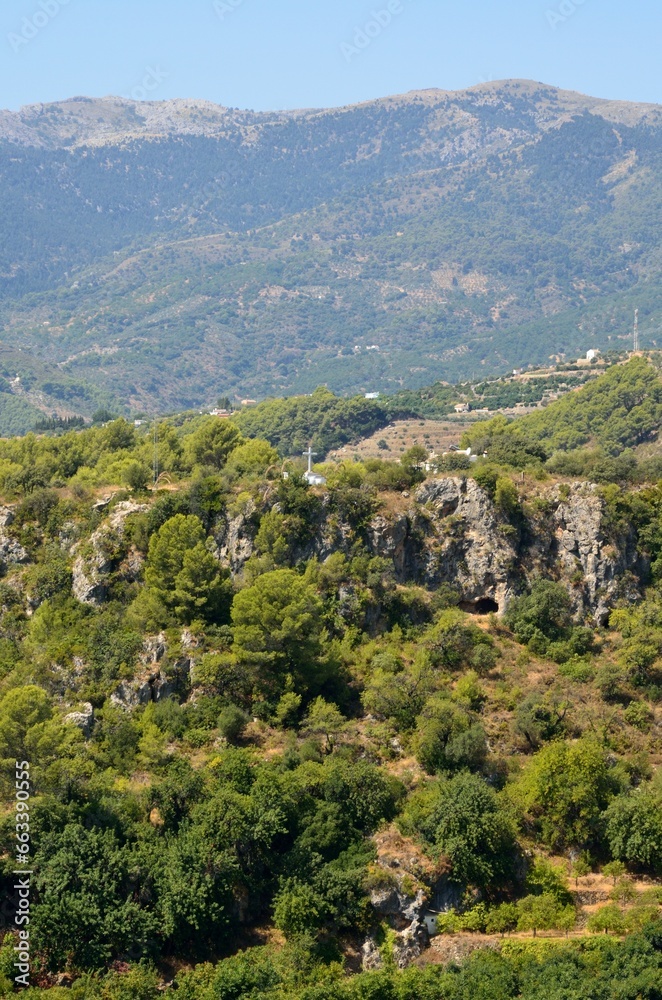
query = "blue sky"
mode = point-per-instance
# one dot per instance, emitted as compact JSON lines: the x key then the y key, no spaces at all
{"x":269,"y":54}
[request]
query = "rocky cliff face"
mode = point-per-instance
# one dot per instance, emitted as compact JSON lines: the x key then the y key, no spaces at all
{"x":453,"y":533}
{"x":463,"y":540}
{"x":93,"y":567}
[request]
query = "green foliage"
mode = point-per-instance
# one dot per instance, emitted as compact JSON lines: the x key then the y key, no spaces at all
{"x":544,"y":913}
{"x":182,"y":575}
{"x":252,"y":459}
{"x":634,"y":828}
{"x":277,"y":628}
{"x":543,"y":620}
{"x":232,"y":722}
{"x":454,"y":638}
{"x":323,"y":420}
{"x":545,"y":879}
{"x":504,"y":443}
{"x":641,"y":629}
{"x":546,"y":610}
{"x":462,"y":818}
{"x":22,"y":711}
{"x":540,"y":719}
{"x":449,"y":739}
{"x":212,"y":442}
{"x":619,"y":410}
{"x":564,"y":791}
{"x":608,"y":919}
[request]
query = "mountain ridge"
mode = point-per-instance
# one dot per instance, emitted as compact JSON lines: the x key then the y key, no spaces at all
{"x":174,"y":111}
{"x":459,"y":234}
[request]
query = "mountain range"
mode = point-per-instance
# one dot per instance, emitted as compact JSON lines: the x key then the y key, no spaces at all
{"x":157,"y":255}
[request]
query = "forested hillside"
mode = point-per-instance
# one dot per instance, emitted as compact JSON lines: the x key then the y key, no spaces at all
{"x":394,"y":737}
{"x":166,"y":254}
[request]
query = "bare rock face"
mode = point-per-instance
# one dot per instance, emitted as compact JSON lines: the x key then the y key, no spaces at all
{"x":452,"y":533}
{"x":92,"y":568}
{"x":466,"y":544}
{"x":156,"y":679}
{"x":11,"y":552}
{"x":581,"y":548}
{"x":400,"y":899}
{"x":371,"y":956}
{"x":234,"y":539}
{"x":464,"y":541}
{"x":83,"y":720}
{"x":405,"y":915}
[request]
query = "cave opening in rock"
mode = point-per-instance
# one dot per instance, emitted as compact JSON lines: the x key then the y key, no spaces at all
{"x":483,"y":606}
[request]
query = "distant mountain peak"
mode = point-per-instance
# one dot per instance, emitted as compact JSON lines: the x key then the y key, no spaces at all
{"x":84,"y":120}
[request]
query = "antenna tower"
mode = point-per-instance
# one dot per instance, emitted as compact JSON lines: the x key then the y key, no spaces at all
{"x":156,"y":450}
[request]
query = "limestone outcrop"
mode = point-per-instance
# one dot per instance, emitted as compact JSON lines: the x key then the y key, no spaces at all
{"x":160,"y":674}
{"x":93,"y":566}
{"x":11,"y":551}
{"x":450,"y":532}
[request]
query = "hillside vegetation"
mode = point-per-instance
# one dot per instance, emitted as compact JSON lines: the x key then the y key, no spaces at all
{"x":321,"y":420}
{"x":261,"y":733}
{"x":459,"y":234}
{"x":593,"y":431}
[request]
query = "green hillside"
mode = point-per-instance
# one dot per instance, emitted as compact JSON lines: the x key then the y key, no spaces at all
{"x":265,"y":727}
{"x":385,"y":246}
{"x":622,"y":409}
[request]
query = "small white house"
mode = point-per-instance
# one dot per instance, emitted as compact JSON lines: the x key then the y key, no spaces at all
{"x":462,"y":408}
{"x":314,"y":479}
{"x":592,"y":355}
{"x":372,"y":395}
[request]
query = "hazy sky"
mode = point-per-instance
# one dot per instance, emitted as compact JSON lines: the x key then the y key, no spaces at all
{"x":268,"y":54}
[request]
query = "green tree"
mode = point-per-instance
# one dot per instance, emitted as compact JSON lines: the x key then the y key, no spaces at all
{"x":543,"y":913}
{"x":607,"y":920}
{"x":23,"y":711}
{"x":502,"y":919}
{"x":453,"y":638}
{"x":85,"y":917}
{"x":463,"y":819}
{"x":251,"y":459}
{"x":200,"y":590}
{"x":547,"y":609}
{"x":212,"y":443}
{"x":448,"y":739}
{"x":325,"y":719}
{"x":547,"y":879}
{"x":277,"y":627}
{"x":135,"y":475}
{"x":399,"y":694}
{"x":182,"y":574}
{"x":232,"y":722}
{"x":634,"y":829}
{"x":506,"y":498}
{"x":297,"y":909}
{"x":565,"y":790}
